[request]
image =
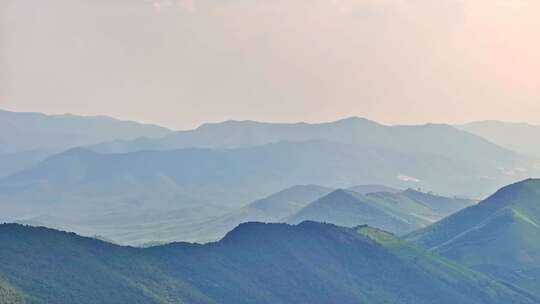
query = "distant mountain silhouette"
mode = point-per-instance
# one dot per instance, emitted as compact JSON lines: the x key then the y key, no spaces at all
{"x":110,"y":190}
{"x":26,"y":138}
{"x":418,"y":211}
{"x":272,"y":209}
{"x":438,"y":139}
{"x":399,"y":212}
{"x":519,"y":137}
{"x":130,"y":197}
{"x":88,"y":187}
{"x":480,"y":166}
{"x":346,"y":208}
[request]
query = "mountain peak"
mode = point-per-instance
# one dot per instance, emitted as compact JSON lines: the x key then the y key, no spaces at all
{"x":231,"y":122}
{"x":251,"y":231}
{"x":515,"y":193}
{"x":499,"y":235}
{"x":355,"y":120}
{"x":341,"y":193}
{"x":339,"y":196}
{"x":259,"y":230}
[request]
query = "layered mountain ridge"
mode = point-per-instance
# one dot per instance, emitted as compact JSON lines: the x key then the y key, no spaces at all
{"x":498,"y":236}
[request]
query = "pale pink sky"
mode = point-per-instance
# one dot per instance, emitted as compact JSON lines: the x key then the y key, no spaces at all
{"x":181,"y":63}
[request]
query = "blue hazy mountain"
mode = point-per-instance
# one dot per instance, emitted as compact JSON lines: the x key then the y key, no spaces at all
{"x":37,"y":131}
{"x":499,"y":236}
{"x":82,"y":185}
{"x":475,"y":166}
{"x":13,"y":162}
{"x":396,"y":212}
{"x":347,"y":208}
{"x":366,"y":189}
{"x":413,"y":210}
{"x":226,"y":166}
{"x":254,"y":263}
{"x":271,"y":209}
{"x":437,"y":139}
{"x":26,"y":138}
{"x":519,"y":137}
{"x":482,"y":165}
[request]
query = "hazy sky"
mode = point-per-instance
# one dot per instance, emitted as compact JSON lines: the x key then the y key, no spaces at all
{"x":182,"y":62}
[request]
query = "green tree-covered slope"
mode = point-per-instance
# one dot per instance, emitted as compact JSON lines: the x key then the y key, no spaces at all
{"x":255,"y":263}
{"x":499,"y":236}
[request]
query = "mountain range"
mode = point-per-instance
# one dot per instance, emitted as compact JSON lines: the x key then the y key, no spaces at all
{"x":519,"y":137}
{"x":271,"y":209}
{"x":428,"y":138}
{"x":410,"y":208}
{"x":486,"y":253}
{"x":166,"y":185}
{"x":498,"y":236}
{"x":138,"y":184}
{"x":254,"y":263}
{"x":397,"y":213}
{"x":27,"y":138}
{"x":465,"y":163}
{"x":409,"y":156}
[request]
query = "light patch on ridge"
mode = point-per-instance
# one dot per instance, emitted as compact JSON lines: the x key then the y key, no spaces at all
{"x":407,"y":178}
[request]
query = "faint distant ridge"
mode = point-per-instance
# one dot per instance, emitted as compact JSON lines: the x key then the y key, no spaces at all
{"x":189,"y":175}
{"x":27,"y":138}
{"x":233,"y":134}
{"x":23,"y":131}
{"x":411,"y":209}
{"x":421,"y":148}
{"x":519,"y":137}
{"x":397,"y":212}
{"x":440,"y":139}
{"x":229,"y":165}
{"x":347,"y":208}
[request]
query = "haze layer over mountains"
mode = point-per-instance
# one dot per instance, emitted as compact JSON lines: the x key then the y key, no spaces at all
{"x":519,"y":137}
{"x":264,"y":187}
{"x":355,"y":211}
{"x":485,"y":254}
{"x":136,"y":183}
